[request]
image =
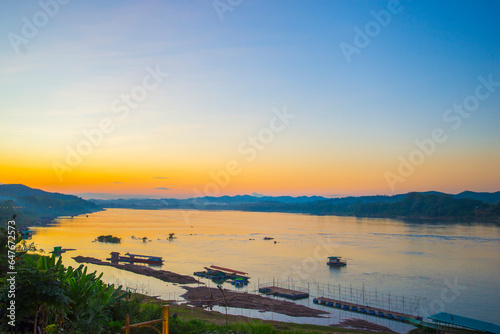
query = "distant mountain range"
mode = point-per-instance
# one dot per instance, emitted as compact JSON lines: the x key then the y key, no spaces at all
{"x":31,"y":204}
{"x":230,"y":201}
{"x":485,"y":197}
{"x":428,"y":205}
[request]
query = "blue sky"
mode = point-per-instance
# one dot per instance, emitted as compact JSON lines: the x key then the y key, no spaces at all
{"x":353,"y":119}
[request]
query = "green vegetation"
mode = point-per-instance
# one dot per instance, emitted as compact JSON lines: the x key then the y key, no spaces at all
{"x":413,"y":205}
{"x":467,"y":205}
{"x":109,"y":238}
{"x":32,"y":204}
{"x":9,"y":208}
{"x":53,"y":297}
{"x":185,"y":319}
{"x":58,"y":299}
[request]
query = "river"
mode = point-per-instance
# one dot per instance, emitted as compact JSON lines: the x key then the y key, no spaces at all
{"x":425,"y":266}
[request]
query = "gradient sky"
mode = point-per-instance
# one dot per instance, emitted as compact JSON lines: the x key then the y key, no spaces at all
{"x":353,"y":121}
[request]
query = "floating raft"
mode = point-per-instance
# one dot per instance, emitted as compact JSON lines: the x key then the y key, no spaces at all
{"x":282,"y":292}
{"x":238,"y":278}
{"x":163,"y":275}
{"x":364,"y":309}
{"x":58,"y":250}
{"x":136,"y":258}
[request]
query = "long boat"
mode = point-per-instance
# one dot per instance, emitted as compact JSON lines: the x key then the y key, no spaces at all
{"x":136,"y":258}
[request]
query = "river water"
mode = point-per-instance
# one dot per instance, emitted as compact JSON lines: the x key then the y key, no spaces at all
{"x":422,"y":267}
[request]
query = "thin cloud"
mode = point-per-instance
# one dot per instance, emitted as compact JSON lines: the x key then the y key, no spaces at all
{"x":160,"y":178}
{"x":161,"y":188}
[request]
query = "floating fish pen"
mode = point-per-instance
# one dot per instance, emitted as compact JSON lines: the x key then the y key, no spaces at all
{"x":284,"y":293}
{"x":284,"y":290}
{"x":221,"y":274}
{"x":391,"y":315}
{"x":384,"y":305}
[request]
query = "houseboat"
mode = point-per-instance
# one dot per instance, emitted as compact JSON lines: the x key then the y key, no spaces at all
{"x":336,"y":261}
{"x":136,"y":258}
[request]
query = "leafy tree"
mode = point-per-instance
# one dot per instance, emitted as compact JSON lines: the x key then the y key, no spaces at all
{"x":40,"y":289}
{"x":109,"y":238}
{"x":90,"y":300}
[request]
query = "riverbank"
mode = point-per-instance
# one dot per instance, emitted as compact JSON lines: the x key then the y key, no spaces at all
{"x":204,"y":296}
{"x":201,"y":297}
{"x":186,"y":313}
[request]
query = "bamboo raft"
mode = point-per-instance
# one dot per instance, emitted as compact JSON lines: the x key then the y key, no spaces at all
{"x":282,"y":292}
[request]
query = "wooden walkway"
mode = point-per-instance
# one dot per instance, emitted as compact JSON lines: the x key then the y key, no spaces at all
{"x":282,"y":292}
{"x":364,"y":309}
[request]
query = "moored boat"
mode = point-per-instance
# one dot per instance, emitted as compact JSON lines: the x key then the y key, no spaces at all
{"x":336,"y":261}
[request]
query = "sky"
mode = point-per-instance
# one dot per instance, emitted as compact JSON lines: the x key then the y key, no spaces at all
{"x":188,"y":98}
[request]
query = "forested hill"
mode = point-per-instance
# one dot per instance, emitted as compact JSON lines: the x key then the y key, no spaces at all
{"x":412,"y":205}
{"x":31,"y":204}
{"x":466,"y":205}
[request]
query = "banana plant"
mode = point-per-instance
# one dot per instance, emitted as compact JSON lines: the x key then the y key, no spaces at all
{"x":91,"y":299}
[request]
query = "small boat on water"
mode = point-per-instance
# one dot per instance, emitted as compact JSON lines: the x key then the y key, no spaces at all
{"x":136,"y":258}
{"x":336,"y":261}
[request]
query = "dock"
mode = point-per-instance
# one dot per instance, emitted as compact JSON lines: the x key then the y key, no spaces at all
{"x":375,"y":311}
{"x":283,"y":292}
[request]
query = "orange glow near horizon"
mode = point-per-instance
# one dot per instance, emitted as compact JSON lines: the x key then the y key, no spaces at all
{"x":262,"y":178}
{"x":154,"y":106}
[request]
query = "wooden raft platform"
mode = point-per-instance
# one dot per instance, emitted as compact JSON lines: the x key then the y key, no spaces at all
{"x":282,"y":292}
{"x":364,"y":309}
